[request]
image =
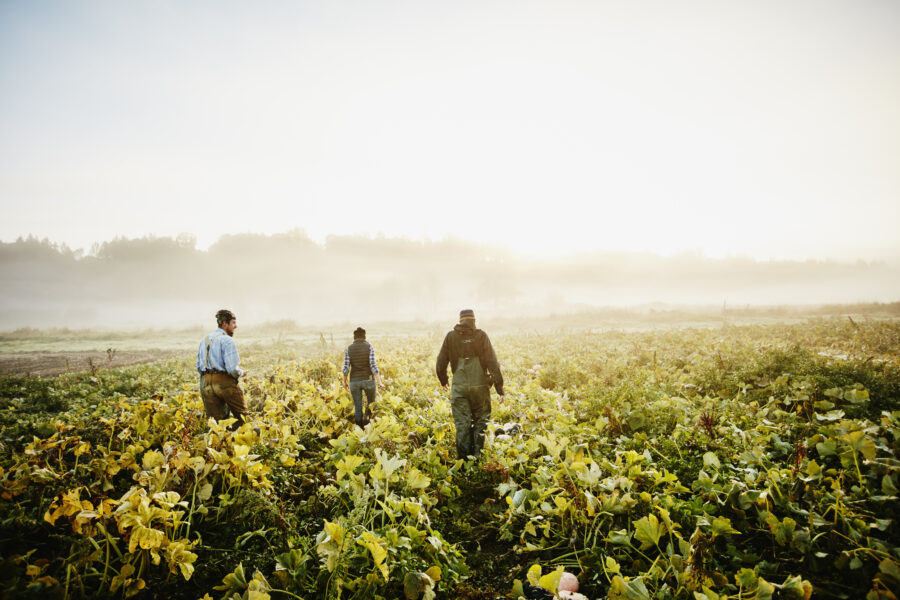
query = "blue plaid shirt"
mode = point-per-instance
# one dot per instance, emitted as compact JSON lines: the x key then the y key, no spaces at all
{"x":371,"y":360}
{"x":223,"y":354}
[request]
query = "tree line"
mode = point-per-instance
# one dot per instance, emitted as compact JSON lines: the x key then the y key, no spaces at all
{"x":288,"y":275}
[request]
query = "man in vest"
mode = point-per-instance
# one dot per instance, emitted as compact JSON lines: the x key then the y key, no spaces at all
{"x":217,"y":363}
{"x":474,"y":364}
{"x":359,"y":362}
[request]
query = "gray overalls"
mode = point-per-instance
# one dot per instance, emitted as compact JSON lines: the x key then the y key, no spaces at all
{"x":470,"y":399}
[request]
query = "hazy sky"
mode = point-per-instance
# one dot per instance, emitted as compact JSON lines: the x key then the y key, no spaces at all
{"x":766,"y":129}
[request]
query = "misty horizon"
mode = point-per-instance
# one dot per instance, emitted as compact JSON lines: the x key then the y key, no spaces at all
{"x":165,"y":281}
{"x":190,"y":240}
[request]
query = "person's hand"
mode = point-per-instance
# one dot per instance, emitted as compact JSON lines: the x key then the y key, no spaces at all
{"x":346,"y":387}
{"x":446,"y":386}
{"x":501,"y":398}
{"x":381,"y":385}
{"x":246,"y":374}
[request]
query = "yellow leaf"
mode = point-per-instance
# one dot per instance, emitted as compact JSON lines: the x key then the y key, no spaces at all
{"x":434,"y":572}
{"x":534,"y":575}
{"x":152,"y":458}
{"x":550,"y":581}
{"x":612,"y":566}
{"x":416,"y":479}
{"x":205,"y":492}
{"x":370,"y":541}
{"x":241,"y":450}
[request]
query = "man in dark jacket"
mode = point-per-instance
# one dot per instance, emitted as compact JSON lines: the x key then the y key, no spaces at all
{"x":474,"y":364}
{"x":359,"y":363}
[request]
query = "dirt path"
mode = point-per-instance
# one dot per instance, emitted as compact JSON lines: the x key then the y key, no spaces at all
{"x":49,"y":364}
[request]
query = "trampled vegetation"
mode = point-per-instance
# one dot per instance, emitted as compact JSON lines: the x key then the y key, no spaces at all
{"x":744,"y":462}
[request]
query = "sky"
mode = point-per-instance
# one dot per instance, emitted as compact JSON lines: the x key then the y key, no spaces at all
{"x":760,"y":129}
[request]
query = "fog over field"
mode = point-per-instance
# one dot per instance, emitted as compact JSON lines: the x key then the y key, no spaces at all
{"x":157,"y":282}
{"x":335,"y":162}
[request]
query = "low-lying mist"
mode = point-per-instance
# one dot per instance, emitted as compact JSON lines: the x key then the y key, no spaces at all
{"x":158,"y":282}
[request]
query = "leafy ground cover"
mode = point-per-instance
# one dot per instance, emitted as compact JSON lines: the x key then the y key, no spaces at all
{"x":738,"y":462}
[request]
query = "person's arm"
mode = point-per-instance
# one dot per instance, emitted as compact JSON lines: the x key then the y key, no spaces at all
{"x":201,"y":355}
{"x":443,"y":360}
{"x":231,"y":358}
{"x":493,"y":365}
{"x":346,"y":366}
{"x":374,"y":367}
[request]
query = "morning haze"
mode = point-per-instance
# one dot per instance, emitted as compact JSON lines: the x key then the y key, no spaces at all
{"x":564,"y":156}
{"x":156,"y":282}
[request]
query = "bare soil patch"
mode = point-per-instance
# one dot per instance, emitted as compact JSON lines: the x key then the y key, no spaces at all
{"x":49,"y":364}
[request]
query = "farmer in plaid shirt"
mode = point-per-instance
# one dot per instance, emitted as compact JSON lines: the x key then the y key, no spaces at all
{"x":217,"y":363}
{"x":359,"y":363}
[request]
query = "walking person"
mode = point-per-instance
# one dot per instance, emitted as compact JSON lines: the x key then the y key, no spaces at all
{"x":218,"y":363}
{"x":359,"y":363}
{"x":475,"y":368}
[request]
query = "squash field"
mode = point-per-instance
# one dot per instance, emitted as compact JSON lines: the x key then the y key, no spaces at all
{"x":748,"y":462}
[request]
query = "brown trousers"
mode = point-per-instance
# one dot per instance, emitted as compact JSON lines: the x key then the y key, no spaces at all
{"x":218,"y":391}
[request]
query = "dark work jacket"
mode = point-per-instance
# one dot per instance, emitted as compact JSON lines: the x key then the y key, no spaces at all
{"x":359,"y":360}
{"x":465,"y":341}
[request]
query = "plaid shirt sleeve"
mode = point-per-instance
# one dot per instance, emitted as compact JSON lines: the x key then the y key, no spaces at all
{"x":347,"y":360}
{"x":231,"y":357}
{"x":372,"y":360}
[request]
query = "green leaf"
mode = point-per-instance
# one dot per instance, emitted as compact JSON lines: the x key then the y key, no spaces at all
{"x":620,"y":537}
{"x":784,"y":531}
{"x":745,"y":578}
{"x":722,"y":525}
{"x":648,"y":531}
{"x":831,"y":415}
{"x":856,"y":396}
{"x":858,"y":442}
{"x":417,"y":480}
{"x":813,"y":469}
{"x":519,"y":497}
{"x":631,"y":590}
{"x":707,"y":594}
{"x":890,"y":567}
{"x":711,"y":460}
{"x":795,"y":587}
{"x":887,"y":485}
{"x":236,"y":581}
{"x":881,"y":524}
{"x":764,"y":589}
{"x":827,"y":448}
{"x":413,"y":585}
